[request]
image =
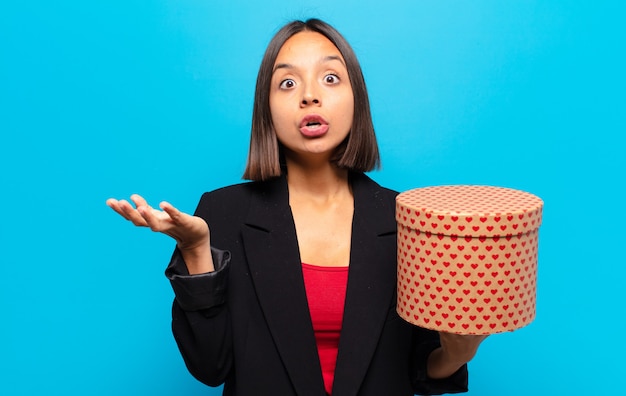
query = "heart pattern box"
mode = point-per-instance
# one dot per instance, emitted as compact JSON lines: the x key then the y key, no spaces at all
{"x":467,"y":258}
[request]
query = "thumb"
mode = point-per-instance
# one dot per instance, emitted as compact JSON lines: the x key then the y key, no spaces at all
{"x":176,"y":215}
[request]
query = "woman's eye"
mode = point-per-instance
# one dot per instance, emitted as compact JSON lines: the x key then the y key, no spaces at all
{"x":331,"y":79}
{"x":287,"y":84}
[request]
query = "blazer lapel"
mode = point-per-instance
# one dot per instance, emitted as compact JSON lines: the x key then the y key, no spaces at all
{"x":370,"y":286}
{"x":271,"y":247}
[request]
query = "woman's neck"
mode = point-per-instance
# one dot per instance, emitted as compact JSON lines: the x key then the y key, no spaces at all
{"x":325,"y":182}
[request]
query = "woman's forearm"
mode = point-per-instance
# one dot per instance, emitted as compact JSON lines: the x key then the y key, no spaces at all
{"x":198,"y":259}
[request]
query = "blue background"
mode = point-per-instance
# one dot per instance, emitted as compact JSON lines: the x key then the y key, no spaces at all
{"x":103,"y":99}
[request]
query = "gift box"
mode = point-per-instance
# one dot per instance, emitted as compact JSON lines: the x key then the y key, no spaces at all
{"x":467,"y":258}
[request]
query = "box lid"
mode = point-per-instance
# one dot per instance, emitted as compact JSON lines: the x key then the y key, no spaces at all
{"x":469,"y":210}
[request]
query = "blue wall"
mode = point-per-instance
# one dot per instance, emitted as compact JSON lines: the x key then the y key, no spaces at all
{"x":108,"y":98}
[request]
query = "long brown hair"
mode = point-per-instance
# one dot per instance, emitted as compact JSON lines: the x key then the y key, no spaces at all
{"x":358,"y":152}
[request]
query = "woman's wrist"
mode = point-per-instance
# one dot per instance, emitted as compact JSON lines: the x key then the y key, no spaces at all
{"x":198,"y":257}
{"x":441,"y":365}
{"x":455,"y":351}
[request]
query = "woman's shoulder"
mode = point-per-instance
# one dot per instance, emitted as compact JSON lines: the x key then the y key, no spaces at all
{"x":229,"y":201}
{"x":235,"y":191}
{"x":240,"y":193}
{"x":365,"y":182}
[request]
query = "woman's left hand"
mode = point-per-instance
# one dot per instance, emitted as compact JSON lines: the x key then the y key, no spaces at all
{"x":460,"y":348}
{"x":455,"y":351}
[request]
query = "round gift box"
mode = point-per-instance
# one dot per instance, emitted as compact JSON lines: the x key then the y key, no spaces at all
{"x":467,"y":258}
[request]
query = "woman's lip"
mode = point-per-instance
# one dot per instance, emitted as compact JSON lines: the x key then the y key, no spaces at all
{"x":312,"y":119}
{"x":314,"y":131}
{"x":313,"y":125}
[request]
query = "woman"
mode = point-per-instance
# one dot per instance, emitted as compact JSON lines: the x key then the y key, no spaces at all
{"x":293,"y":291}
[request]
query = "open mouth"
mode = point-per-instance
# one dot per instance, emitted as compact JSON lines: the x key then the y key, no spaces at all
{"x":313,"y":125}
{"x":313,"y":121}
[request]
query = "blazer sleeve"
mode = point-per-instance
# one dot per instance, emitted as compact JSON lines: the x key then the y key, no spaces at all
{"x":425,"y":341}
{"x":201,"y":320}
{"x":202,"y":291}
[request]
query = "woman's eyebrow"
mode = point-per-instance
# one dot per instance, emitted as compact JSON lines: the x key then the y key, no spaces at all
{"x":332,"y":58}
{"x":325,"y":59}
{"x":282,"y":66}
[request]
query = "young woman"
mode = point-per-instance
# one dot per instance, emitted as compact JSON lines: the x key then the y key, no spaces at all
{"x":293,"y":290}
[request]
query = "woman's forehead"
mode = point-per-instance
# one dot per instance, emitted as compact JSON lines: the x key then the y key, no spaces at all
{"x":305,"y":47}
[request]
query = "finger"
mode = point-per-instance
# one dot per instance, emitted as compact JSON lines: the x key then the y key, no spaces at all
{"x":115,"y":205}
{"x":138,"y":200}
{"x":112,"y":203}
{"x":148,"y":213}
{"x":175,"y":214}
{"x":131,"y":214}
{"x":157,"y":221}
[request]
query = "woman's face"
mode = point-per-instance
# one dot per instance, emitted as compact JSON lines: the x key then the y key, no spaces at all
{"x":311,"y":98}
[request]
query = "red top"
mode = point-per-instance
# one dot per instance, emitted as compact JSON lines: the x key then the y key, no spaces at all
{"x":326,"y":292}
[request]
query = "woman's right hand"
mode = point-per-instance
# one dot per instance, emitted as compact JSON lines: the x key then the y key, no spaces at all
{"x":190,"y":232}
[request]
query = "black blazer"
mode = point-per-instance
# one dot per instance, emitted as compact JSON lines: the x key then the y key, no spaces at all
{"x":247,"y":325}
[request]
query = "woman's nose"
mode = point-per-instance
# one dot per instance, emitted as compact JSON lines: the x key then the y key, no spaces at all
{"x":310,"y":97}
{"x":309,"y":100}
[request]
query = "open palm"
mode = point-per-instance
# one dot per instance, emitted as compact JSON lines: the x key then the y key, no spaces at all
{"x":188,"y":231}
